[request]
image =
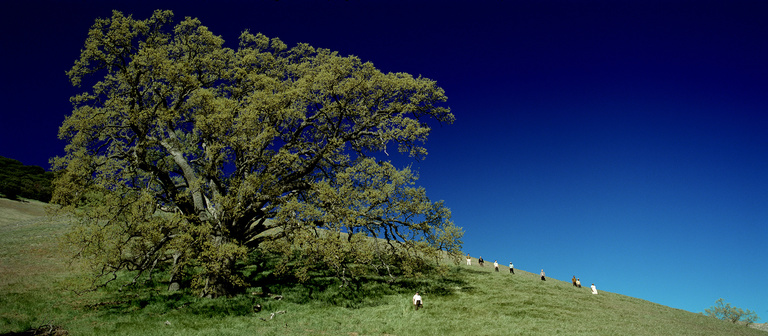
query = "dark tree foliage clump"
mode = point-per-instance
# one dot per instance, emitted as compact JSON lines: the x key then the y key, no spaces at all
{"x":18,"y":180}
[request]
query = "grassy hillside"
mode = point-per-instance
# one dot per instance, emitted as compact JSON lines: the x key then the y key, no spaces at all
{"x":470,"y":301}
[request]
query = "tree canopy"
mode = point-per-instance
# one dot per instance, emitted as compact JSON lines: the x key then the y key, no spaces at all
{"x":190,"y":154}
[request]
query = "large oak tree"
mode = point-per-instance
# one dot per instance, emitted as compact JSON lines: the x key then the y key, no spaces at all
{"x":186,"y":154}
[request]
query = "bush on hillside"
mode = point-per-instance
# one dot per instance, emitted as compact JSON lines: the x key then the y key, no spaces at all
{"x":724,"y":311}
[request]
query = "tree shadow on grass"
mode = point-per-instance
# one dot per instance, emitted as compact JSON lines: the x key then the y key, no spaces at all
{"x":367,"y":291}
{"x":266,"y":288}
{"x":364,"y":291}
{"x":182,"y":301}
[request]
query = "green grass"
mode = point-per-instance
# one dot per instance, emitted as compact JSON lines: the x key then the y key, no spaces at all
{"x":34,"y":274}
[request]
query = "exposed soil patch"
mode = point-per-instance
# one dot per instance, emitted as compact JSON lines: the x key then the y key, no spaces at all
{"x":43,"y":330}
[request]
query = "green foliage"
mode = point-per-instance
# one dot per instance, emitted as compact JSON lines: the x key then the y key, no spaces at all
{"x":724,"y":311}
{"x":18,"y":180}
{"x":185,"y":154}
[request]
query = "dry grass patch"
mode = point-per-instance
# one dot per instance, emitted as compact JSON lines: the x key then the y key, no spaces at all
{"x":31,"y":255}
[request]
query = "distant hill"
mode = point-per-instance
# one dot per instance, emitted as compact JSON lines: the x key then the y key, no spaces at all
{"x":20,"y":181}
{"x":470,"y":300}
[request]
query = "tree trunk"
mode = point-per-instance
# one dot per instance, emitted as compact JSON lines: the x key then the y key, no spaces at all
{"x":216,"y":284}
{"x":174,"y":278}
{"x":218,"y":280}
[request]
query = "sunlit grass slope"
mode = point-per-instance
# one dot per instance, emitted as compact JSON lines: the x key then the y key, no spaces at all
{"x":469,"y":301}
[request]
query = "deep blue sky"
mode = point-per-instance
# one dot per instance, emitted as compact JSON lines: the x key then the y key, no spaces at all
{"x":624,"y":142}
